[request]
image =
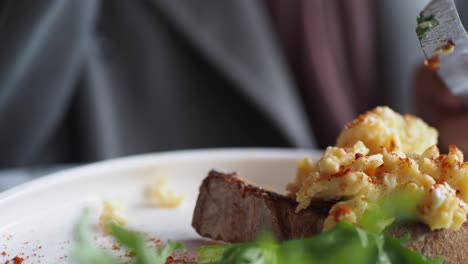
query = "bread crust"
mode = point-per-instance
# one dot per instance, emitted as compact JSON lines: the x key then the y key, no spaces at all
{"x":231,"y":210}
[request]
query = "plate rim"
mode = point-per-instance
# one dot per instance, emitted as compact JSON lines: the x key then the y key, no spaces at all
{"x":133,"y":160}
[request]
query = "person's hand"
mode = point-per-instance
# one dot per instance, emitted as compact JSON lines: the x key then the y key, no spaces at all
{"x":437,"y":106}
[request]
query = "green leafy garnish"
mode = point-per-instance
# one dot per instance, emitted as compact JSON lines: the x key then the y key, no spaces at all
{"x":85,"y":252}
{"x":136,"y":242}
{"x":212,"y":254}
{"x":425,"y":24}
{"x":396,"y":207}
{"x":263,"y":250}
{"x":345,"y":243}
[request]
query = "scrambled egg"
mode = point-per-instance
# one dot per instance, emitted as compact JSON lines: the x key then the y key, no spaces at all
{"x":160,"y":194}
{"x":112,"y":211}
{"x":381,"y":152}
{"x":382,"y":127}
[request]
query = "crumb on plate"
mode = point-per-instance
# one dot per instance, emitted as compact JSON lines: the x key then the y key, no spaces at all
{"x":112,"y":211}
{"x":159,"y":193}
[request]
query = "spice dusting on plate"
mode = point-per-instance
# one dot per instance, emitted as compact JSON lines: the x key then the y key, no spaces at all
{"x":18,"y":260}
{"x":116,"y":247}
{"x":157,"y":242}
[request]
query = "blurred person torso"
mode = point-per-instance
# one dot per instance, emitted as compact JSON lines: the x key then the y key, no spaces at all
{"x":89,"y":80}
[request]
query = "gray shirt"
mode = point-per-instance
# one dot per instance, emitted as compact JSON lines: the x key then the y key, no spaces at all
{"x":88,"y":80}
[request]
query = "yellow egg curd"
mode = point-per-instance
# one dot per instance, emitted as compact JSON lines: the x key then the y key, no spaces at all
{"x":377,"y":154}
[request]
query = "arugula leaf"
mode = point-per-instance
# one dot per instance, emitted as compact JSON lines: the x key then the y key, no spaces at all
{"x":425,"y":24}
{"x":212,"y":254}
{"x":263,"y":250}
{"x":342,"y":244}
{"x":397,"y":207}
{"x":85,"y":252}
{"x":136,"y":242}
{"x":345,"y":243}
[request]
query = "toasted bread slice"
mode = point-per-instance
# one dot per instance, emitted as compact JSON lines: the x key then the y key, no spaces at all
{"x":230,"y":210}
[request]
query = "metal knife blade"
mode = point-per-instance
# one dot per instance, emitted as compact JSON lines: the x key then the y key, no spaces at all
{"x":444,"y":42}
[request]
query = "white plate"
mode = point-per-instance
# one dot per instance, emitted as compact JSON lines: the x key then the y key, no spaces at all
{"x":37,"y":218}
